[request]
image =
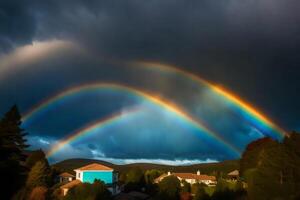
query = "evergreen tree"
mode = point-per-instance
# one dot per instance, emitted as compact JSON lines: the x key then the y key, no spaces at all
{"x":12,"y":146}
{"x":12,"y":139}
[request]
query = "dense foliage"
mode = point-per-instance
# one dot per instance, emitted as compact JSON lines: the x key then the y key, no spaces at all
{"x":87,"y":191}
{"x":169,"y":188}
{"x":275,"y":171}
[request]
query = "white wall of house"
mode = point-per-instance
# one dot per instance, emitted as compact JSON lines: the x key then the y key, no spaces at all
{"x":65,"y":191}
{"x":79,"y":175}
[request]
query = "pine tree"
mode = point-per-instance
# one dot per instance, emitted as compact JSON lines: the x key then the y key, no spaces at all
{"x":12,"y":146}
{"x":12,"y":139}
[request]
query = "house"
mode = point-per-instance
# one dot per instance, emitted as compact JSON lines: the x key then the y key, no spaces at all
{"x":65,"y":177}
{"x":191,"y":178}
{"x":234,"y":175}
{"x":91,"y":172}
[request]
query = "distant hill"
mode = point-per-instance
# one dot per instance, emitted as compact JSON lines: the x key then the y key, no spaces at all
{"x":207,"y":168}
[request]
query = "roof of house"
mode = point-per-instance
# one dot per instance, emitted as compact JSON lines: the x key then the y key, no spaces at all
{"x":187,"y":176}
{"x":194,"y":176}
{"x":94,"y":166}
{"x":234,"y":173}
{"x":160,"y":177}
{"x":66,"y":174}
{"x":71,"y":184}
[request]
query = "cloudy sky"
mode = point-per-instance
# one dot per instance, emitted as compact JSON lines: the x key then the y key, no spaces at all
{"x":250,"y":47}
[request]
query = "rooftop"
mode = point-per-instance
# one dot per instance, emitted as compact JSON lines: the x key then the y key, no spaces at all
{"x":70,"y":184}
{"x":194,"y":176}
{"x":233,"y":173}
{"x":95,"y":166}
{"x":66,"y":174}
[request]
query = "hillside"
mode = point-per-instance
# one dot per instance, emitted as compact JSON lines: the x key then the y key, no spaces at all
{"x":226,"y":166}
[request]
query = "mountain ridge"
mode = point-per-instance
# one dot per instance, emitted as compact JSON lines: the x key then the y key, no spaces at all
{"x":225,"y":166}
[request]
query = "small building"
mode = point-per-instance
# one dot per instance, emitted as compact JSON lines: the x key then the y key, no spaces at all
{"x":89,"y":173}
{"x":191,"y":178}
{"x":234,"y":175}
{"x":65,"y":177}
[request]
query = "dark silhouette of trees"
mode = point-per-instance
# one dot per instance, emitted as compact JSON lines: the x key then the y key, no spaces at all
{"x":12,"y":146}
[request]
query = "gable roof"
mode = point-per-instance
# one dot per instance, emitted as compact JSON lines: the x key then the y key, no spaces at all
{"x":70,"y":184}
{"x":194,"y":176}
{"x":94,"y":166}
{"x":66,"y":174}
{"x":233,"y":173}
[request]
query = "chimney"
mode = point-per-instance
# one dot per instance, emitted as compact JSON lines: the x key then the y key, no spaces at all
{"x":198,"y":172}
{"x":169,"y":173}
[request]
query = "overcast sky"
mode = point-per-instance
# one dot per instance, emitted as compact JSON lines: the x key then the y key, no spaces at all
{"x":250,"y":47}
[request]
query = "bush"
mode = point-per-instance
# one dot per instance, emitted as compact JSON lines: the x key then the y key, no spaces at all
{"x":186,"y":188}
{"x":169,"y":188}
{"x":87,"y":191}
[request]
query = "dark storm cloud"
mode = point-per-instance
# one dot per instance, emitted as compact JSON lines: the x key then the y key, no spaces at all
{"x":251,"y":47}
{"x":17,"y":24}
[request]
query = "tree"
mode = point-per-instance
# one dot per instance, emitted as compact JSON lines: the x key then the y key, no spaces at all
{"x":276,"y":174}
{"x":38,"y":193}
{"x":12,"y":146}
{"x":151,"y":175}
{"x":87,"y":191}
{"x":250,"y":156}
{"x":221,"y":185}
{"x":186,"y":187}
{"x":39,"y":175}
{"x":134,"y":175}
{"x":34,"y":157}
{"x":169,"y":188}
{"x":199,"y":192}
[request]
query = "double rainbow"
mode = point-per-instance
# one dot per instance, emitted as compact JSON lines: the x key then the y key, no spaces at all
{"x":167,"y":105}
{"x":229,"y":96}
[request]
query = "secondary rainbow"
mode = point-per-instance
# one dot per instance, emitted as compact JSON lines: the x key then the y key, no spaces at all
{"x":234,"y":99}
{"x":168,"y":105}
